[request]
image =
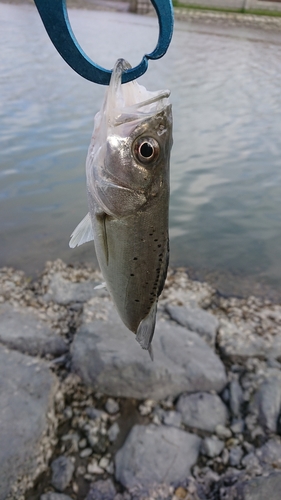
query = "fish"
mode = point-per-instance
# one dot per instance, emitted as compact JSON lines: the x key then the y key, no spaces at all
{"x":127,"y":172}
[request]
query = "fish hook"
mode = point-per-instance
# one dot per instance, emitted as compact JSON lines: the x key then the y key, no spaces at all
{"x":55,"y":19}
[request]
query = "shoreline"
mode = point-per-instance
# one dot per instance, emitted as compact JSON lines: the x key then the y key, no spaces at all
{"x":66,"y":357}
{"x":191,"y":15}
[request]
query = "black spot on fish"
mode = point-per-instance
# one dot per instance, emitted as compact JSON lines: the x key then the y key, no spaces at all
{"x":135,"y":258}
{"x":156,"y":239}
{"x":132,"y":275}
{"x":136,"y":300}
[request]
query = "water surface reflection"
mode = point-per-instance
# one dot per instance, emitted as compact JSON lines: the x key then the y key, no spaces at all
{"x":225,"y":173}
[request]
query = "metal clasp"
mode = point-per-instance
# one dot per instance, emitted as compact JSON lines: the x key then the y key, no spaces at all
{"x":55,"y":19}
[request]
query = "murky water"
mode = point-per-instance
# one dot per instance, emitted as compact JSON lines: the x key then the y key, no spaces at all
{"x":225,"y":213}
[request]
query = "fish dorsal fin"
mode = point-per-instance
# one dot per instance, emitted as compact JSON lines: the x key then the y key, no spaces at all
{"x":146,"y":328}
{"x":82,"y":233}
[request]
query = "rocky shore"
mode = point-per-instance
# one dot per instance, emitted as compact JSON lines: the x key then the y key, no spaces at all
{"x":268,"y":22}
{"x":86,"y":415}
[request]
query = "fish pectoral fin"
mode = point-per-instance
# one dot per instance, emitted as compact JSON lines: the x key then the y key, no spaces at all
{"x":102,"y":285}
{"x":82,"y":233}
{"x":146,"y":328}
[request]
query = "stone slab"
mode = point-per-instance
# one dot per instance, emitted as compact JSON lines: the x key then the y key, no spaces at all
{"x":156,"y":455}
{"x":27,"y":389}
{"x":197,"y":320}
{"x":202,"y":411}
{"x":23,"y":331}
{"x":107,"y":357}
{"x":64,"y":292}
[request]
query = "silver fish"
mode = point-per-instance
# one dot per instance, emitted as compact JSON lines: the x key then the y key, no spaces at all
{"x":128,"y":194}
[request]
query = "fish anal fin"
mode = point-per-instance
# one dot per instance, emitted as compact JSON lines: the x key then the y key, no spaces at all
{"x":146,"y":329}
{"x":82,"y":233}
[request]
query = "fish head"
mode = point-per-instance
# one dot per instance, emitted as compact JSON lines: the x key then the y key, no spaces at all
{"x":128,"y":159}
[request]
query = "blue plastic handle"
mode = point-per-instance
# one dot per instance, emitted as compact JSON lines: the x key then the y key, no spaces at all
{"x":55,"y":19}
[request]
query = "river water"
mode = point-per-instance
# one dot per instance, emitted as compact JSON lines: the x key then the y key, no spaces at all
{"x":225,"y":217}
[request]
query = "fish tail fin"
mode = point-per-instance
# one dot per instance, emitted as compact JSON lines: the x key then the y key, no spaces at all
{"x":146,"y":328}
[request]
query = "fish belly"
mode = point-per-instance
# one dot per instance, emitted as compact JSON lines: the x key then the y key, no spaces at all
{"x":133,"y":254}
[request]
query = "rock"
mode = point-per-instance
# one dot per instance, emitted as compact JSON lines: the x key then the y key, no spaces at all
{"x":235,"y":456}
{"x":211,"y":446}
{"x":251,"y":463}
{"x":259,"y":488}
{"x":63,"y":291}
{"x":27,"y":390}
{"x":101,"y":490}
{"x":62,"y":472}
{"x":238,"y":426}
{"x":54,"y":496}
{"x":23,"y":331}
{"x":223,"y":432}
{"x":202,"y":410}
{"x":235,"y":398}
{"x":156,"y":454}
{"x":94,"y":413}
{"x":147,"y":492}
{"x":268,"y":401}
{"x":113,"y":432}
{"x":270,"y":453}
{"x":172,"y":418}
{"x":197,"y":320}
{"x":107,"y":357}
{"x":111,"y":406}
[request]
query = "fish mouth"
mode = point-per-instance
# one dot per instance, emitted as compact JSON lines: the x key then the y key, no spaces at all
{"x":130,"y":101}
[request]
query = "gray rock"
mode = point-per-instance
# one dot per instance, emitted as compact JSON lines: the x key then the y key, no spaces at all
{"x":172,"y":418}
{"x":27,"y":389}
{"x":23,"y":331}
{"x":113,"y":432}
{"x":211,"y":446}
{"x":62,"y":472}
{"x":63,"y":291}
{"x":94,"y":413}
{"x":235,"y":456}
{"x":156,"y":454}
{"x":237,"y":426}
{"x":235,"y":398}
{"x":223,"y":432}
{"x":54,"y":496}
{"x":101,"y":490}
{"x":107,"y":357}
{"x":202,"y":410}
{"x":262,"y":488}
{"x":251,"y":463}
{"x":270,"y":453}
{"x":197,"y":320}
{"x":268,"y":402}
{"x":111,"y":406}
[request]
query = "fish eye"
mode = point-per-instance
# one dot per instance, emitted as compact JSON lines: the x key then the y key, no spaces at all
{"x":146,"y":150}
